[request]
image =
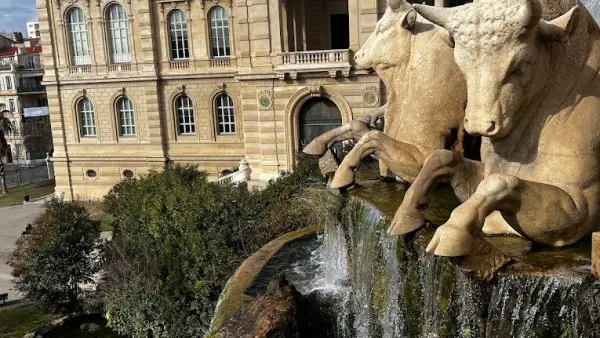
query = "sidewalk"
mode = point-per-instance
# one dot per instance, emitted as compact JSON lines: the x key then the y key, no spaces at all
{"x":13,"y":221}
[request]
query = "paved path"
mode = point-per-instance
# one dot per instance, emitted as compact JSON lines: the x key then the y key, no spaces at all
{"x":13,"y":221}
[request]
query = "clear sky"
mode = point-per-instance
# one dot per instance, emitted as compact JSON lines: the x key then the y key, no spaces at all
{"x":14,"y":15}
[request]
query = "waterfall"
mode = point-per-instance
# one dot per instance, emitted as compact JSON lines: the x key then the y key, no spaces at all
{"x":372,"y":285}
{"x":392,"y":322}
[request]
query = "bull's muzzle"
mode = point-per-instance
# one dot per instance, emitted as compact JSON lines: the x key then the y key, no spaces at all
{"x":482,"y":128}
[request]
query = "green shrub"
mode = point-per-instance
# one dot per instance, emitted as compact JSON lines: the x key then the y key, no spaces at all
{"x":178,"y":238}
{"x":57,"y":257}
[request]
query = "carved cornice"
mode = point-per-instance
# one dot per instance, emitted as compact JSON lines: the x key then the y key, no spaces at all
{"x":205,"y":3}
{"x":67,"y":3}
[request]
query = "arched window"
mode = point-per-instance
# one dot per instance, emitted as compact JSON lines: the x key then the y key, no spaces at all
{"x":225,"y":114}
{"x":219,"y":33}
{"x":184,"y":109}
{"x":125,"y":117}
{"x":87,"y":122}
{"x":118,"y":34}
{"x":78,"y":37}
{"x":178,"y":34}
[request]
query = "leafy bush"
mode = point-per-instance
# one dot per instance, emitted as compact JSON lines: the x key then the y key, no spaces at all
{"x":178,"y":238}
{"x":57,"y":257}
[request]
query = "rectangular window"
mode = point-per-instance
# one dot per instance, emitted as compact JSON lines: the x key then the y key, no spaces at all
{"x":11,"y":105}
{"x":9,"y":84}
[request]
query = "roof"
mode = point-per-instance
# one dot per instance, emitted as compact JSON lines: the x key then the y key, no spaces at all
{"x":13,"y":50}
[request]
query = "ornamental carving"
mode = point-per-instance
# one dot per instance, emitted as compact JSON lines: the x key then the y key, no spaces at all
{"x":265,"y":99}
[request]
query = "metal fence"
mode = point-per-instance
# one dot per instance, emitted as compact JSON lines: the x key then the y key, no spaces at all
{"x":16,"y":176}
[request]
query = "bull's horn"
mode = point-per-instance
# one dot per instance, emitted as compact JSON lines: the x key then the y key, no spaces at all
{"x":534,"y":14}
{"x":438,"y":15}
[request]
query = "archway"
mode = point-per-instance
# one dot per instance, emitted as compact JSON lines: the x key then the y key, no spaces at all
{"x":317,"y":116}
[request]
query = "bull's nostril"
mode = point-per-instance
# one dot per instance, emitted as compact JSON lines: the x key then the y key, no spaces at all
{"x":492,"y":126}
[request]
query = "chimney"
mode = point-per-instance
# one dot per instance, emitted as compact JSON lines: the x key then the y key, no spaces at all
{"x":18,"y":37}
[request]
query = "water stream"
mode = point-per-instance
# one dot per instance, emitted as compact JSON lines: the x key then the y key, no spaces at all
{"x":382,"y":286}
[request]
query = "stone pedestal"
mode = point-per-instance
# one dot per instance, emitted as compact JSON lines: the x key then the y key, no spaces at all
{"x":596,"y":254}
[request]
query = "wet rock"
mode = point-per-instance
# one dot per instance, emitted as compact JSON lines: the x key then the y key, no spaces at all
{"x":596,"y":254}
{"x":484,"y":261}
{"x":272,"y":314}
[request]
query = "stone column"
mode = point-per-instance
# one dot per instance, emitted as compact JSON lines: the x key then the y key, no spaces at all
{"x":354,"y":16}
{"x":441,"y":3}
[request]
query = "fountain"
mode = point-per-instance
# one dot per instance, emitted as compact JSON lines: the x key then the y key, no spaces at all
{"x":503,"y":250}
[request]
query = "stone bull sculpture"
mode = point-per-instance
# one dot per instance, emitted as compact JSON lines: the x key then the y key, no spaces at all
{"x":534,"y":95}
{"x":417,"y":67}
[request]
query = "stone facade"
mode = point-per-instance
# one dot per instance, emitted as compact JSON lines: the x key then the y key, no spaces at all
{"x":280,"y":56}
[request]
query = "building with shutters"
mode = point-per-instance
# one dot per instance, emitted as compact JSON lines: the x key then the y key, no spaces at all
{"x":135,"y":85}
{"x":23,"y":98}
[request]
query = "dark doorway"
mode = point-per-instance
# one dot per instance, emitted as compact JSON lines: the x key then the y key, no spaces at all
{"x":340,"y":31}
{"x":317,"y":116}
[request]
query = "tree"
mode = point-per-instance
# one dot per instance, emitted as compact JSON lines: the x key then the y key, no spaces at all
{"x":52,"y":263}
{"x":5,"y":127}
{"x":178,"y":238}
{"x":37,"y":135}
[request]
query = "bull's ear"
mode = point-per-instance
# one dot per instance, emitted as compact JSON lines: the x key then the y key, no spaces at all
{"x":409,"y":19}
{"x":561,"y":28}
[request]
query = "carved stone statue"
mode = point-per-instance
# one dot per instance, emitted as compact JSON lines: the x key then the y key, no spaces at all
{"x":534,"y":94}
{"x":427,"y":96}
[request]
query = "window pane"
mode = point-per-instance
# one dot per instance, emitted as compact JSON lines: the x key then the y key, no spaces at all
{"x":125,"y":116}
{"x":178,"y":35}
{"x":185,"y":115}
{"x":225,"y":114}
{"x":118,"y":34}
{"x":219,"y":33}
{"x":78,"y":39}
{"x":86,"y":118}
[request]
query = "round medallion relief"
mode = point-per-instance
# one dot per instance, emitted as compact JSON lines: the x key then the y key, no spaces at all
{"x":370,"y":98}
{"x":265,"y":101}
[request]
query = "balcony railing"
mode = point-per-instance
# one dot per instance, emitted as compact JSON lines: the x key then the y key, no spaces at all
{"x":332,"y":61}
{"x":74,"y":70}
{"x":220,"y":63}
{"x":179,"y":64}
{"x":124,"y":67}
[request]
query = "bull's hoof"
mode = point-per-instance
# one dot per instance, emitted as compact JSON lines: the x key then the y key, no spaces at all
{"x":451,"y":241}
{"x":315,"y":148}
{"x":343,"y":178}
{"x":406,"y":221}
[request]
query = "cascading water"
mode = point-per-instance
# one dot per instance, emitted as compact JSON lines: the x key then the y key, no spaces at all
{"x":382,"y":286}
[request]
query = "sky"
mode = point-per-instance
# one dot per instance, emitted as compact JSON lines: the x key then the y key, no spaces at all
{"x":14,"y":15}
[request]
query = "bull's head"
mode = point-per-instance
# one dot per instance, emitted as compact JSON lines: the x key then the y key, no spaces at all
{"x":389,"y":44}
{"x":501,"y":47}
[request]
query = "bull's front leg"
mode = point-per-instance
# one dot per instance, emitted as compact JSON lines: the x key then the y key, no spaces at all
{"x":463,"y":174}
{"x":544,"y":213}
{"x":353,"y":130}
{"x":403,"y":159}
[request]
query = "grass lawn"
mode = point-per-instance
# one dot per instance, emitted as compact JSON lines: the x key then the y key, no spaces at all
{"x":16,"y":322}
{"x":97,"y":214}
{"x":34,"y":190}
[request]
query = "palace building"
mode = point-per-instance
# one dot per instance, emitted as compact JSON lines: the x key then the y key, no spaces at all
{"x":133,"y":85}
